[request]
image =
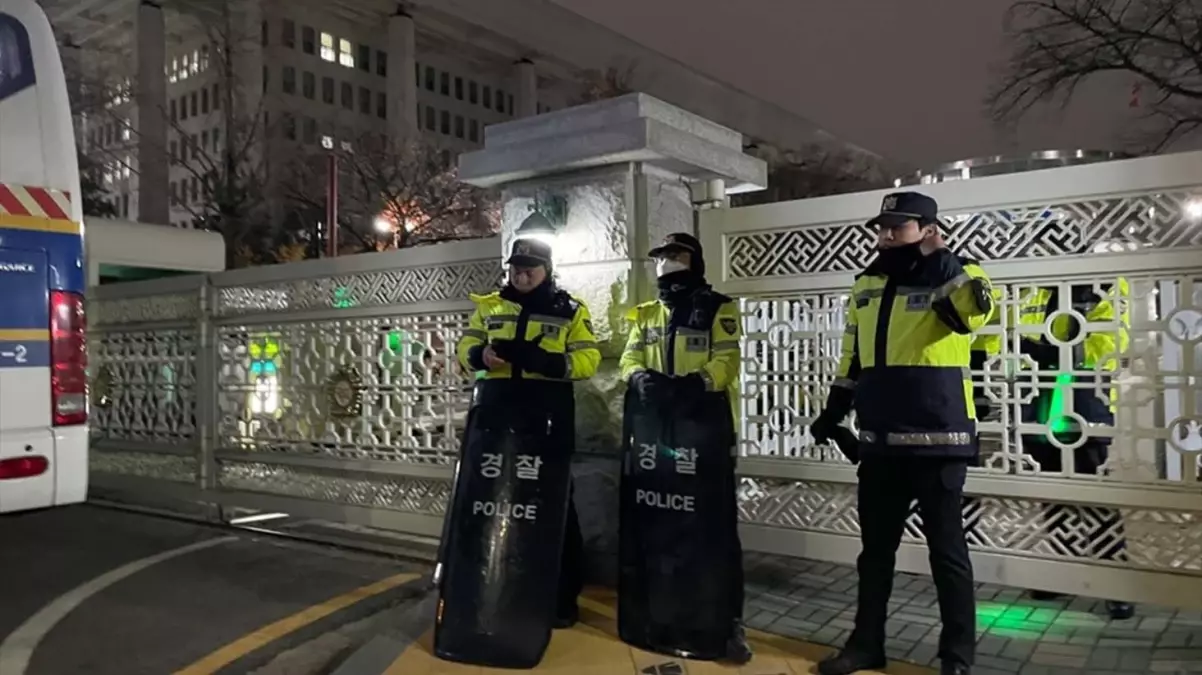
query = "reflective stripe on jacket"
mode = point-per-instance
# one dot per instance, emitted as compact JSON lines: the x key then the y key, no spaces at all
{"x":1099,"y":350}
{"x":567,"y":330}
{"x":906,"y":355}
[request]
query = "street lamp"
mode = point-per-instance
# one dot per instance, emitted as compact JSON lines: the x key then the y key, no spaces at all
{"x":536,"y":226}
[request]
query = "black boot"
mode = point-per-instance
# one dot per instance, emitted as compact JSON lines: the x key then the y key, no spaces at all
{"x":849,"y":661}
{"x":566,"y":618}
{"x":1120,"y":610}
{"x":1045,"y":595}
{"x":951,"y":668}
{"x":738,"y":652}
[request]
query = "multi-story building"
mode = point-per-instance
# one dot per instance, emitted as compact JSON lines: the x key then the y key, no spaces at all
{"x":325,"y":73}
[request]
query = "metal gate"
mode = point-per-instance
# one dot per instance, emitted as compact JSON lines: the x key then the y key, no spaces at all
{"x":326,"y":389}
{"x":1141,"y":220}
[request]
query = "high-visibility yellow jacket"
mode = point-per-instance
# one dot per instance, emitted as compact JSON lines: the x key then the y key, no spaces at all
{"x":906,"y":355}
{"x":565,"y":329}
{"x":1098,"y":350}
{"x":710,"y":350}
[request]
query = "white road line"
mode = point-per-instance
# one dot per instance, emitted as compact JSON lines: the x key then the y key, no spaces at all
{"x":17,"y":649}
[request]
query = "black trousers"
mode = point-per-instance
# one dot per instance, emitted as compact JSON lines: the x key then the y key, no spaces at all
{"x":886,"y":488}
{"x":571,"y":574}
{"x":1082,"y":531}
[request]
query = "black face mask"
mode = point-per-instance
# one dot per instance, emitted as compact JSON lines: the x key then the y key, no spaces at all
{"x":899,"y":259}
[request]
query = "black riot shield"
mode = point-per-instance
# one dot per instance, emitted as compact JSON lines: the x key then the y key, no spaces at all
{"x":502,"y":550}
{"x":677,"y":525}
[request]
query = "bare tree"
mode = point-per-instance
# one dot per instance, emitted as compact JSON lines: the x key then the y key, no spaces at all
{"x":226,"y":188}
{"x":394,"y":193}
{"x":1058,"y":45}
{"x":815,"y":171}
{"x":598,"y":85}
{"x":94,"y":198}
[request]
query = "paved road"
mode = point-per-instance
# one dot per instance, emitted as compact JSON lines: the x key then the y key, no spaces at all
{"x":92,"y":590}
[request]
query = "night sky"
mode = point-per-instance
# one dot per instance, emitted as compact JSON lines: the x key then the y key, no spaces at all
{"x":903,"y":78}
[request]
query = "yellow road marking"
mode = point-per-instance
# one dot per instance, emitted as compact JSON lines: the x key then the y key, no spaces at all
{"x":38,"y":224}
{"x":274,"y":631}
{"x":24,"y":334}
{"x":593,"y":647}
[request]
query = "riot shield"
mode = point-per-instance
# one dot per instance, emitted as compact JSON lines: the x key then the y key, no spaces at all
{"x":677,"y":512}
{"x":502,"y":550}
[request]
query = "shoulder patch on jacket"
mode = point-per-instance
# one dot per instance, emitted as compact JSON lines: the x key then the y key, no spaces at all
{"x":588,"y":326}
{"x":729,"y":324}
{"x":485,"y":297}
{"x":632,"y":314}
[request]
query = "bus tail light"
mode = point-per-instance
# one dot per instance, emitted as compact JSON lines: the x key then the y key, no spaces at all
{"x":68,"y":359}
{"x":23,"y":467}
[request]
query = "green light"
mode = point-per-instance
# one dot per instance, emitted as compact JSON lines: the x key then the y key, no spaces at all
{"x":265,"y":348}
{"x":1056,"y":420}
{"x":342,"y":298}
{"x":1031,"y":621}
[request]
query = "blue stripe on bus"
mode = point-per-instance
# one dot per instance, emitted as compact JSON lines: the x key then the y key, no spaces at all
{"x":64,"y":252}
{"x":24,"y":353}
{"x":24,"y":302}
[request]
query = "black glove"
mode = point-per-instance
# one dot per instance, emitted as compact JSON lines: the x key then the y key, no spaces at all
{"x":506,"y":350}
{"x":1045,"y":355}
{"x":688,"y":386}
{"x":847,"y":443}
{"x":984,"y":408}
{"x":824,"y":428}
{"x":649,"y":386}
{"x":528,"y":356}
{"x":838,"y":406}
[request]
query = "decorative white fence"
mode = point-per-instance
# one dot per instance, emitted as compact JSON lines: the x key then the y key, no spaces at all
{"x":1139,"y":220}
{"x":327,"y":389}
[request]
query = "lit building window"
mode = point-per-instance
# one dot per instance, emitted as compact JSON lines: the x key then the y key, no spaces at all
{"x":345,"y":57}
{"x":195,"y":62}
{"x":183,"y":69}
{"x":173,"y":74}
{"x":327,"y":47}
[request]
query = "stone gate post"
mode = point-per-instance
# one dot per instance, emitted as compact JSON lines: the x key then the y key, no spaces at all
{"x":606,"y":181}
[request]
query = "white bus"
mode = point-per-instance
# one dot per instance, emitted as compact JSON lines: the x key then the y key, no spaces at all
{"x":43,"y":363}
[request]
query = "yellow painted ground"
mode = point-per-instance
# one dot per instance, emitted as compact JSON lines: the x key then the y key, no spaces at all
{"x":593,"y":648}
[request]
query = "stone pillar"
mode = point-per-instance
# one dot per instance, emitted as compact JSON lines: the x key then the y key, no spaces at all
{"x":526,"y":84}
{"x":151,"y":116}
{"x":613,"y":192}
{"x":403,"y":119}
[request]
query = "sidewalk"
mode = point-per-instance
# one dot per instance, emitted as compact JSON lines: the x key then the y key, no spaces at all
{"x":815,"y":601}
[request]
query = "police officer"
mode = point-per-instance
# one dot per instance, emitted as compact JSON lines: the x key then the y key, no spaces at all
{"x":682,"y":346}
{"x":1097,"y":351}
{"x":905,"y":365}
{"x":532,"y":339}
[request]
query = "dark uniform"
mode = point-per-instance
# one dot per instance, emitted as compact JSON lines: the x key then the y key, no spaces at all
{"x":682,"y":357}
{"x":546,"y":336}
{"x":905,"y":365}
